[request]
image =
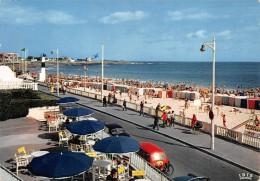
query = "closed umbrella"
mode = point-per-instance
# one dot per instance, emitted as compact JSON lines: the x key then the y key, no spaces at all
{"x":60,"y":164}
{"x":85,"y":127}
{"x":77,"y":112}
{"x":67,"y":100}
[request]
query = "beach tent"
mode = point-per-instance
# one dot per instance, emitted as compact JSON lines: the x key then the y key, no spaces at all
{"x":244,"y":102}
{"x":187,"y":96}
{"x":251,"y":103}
{"x":231,"y":101}
{"x":218,"y":99}
{"x":174,"y":95}
{"x":238,"y":101}
{"x":179,"y":94}
{"x":257,"y":104}
{"x":225,"y":100}
{"x":194,"y":96}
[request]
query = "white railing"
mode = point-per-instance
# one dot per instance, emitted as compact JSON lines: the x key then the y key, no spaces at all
{"x":251,"y":140}
{"x":150,"y":171}
{"x":228,"y":133}
{"x":33,"y":86}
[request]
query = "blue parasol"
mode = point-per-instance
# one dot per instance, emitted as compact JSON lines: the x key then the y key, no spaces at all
{"x":60,"y":164}
{"x":67,"y":100}
{"x":85,"y":127}
{"x":117,"y":144}
{"x":77,"y":112}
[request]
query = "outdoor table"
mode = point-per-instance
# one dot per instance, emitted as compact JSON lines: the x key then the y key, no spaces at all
{"x":39,"y":153}
{"x":99,"y":163}
{"x":26,"y":156}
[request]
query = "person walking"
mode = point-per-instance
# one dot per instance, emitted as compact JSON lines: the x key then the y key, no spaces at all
{"x":141,"y":108}
{"x":158,"y":107}
{"x":104,"y":101}
{"x":124,"y":105}
{"x":172,"y":119}
{"x":193,"y":123}
{"x":224,"y":120}
{"x":156,"y":119}
{"x":164,"y":119}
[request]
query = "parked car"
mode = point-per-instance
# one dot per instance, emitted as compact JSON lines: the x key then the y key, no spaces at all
{"x":115,"y":129}
{"x":191,"y":177}
{"x":156,"y":157}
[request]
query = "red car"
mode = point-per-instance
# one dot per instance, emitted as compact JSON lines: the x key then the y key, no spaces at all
{"x":156,"y":157}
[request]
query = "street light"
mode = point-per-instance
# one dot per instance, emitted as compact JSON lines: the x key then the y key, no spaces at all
{"x":57,"y":52}
{"x":102,"y":71}
{"x":202,"y":49}
{"x":85,"y":69}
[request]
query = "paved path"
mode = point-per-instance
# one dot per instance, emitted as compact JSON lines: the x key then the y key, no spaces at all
{"x":236,"y":154}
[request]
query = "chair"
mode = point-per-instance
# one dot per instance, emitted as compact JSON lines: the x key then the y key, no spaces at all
{"x":121,"y":174}
{"x":20,"y":162}
{"x":94,"y":155}
{"x":76,"y":148}
{"x":138,"y":173}
{"x":125,"y":161}
{"x":63,"y":139}
{"x":22,"y":151}
{"x":53,"y":125}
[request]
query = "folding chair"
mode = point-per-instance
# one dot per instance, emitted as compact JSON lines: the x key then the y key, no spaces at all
{"x":20,"y":162}
{"x":138,"y":173}
{"x":63,"y":138}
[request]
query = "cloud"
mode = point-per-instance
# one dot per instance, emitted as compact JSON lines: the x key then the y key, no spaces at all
{"x":119,"y":17}
{"x":190,"y":14}
{"x":197,"y":34}
{"x":28,"y":15}
{"x":224,"y":34}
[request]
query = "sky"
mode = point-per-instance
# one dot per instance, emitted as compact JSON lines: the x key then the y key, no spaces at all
{"x":133,"y":30}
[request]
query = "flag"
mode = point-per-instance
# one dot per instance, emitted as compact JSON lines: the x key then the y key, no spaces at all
{"x":95,"y":56}
{"x":23,"y":49}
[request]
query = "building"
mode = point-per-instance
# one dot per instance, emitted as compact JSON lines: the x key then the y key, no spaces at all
{"x":8,"y":57}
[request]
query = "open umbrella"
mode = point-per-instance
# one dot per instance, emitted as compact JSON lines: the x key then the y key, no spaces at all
{"x":67,"y":100}
{"x":117,"y":144}
{"x":166,"y":108}
{"x":204,"y":91}
{"x":60,"y":164}
{"x":77,"y":112}
{"x":85,"y":127}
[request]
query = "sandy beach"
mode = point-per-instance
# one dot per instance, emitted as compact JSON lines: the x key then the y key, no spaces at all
{"x":234,"y":120}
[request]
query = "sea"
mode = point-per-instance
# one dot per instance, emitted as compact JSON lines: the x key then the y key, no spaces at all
{"x":228,"y":75}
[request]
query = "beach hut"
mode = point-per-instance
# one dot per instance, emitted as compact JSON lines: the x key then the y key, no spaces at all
{"x":169,"y":94}
{"x":251,"y":103}
{"x":194,"y":96}
{"x":244,"y":102}
{"x":257,"y":104}
{"x":231,"y":101}
{"x":187,"y":95}
{"x":218,"y":99}
{"x":161,"y":94}
{"x":183,"y":95}
{"x":179,"y":94}
{"x":225,"y":100}
{"x":238,"y":101}
{"x":174,"y":95}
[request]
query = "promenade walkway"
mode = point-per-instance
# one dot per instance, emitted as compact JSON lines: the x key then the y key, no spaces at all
{"x":244,"y":157}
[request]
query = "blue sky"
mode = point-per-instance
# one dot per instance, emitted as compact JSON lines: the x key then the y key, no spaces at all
{"x":133,"y":30}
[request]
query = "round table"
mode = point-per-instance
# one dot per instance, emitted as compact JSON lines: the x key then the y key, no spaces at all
{"x":39,"y":153}
{"x":99,"y":163}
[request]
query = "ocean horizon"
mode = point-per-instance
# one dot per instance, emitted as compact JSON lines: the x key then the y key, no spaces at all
{"x":228,"y":75}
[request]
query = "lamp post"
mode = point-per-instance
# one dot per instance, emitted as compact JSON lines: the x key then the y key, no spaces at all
{"x":85,"y":69}
{"x":213,"y":47}
{"x":102,"y":71}
{"x":57,"y":52}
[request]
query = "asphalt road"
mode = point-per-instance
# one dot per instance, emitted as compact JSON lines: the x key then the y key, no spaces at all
{"x":185,"y":159}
